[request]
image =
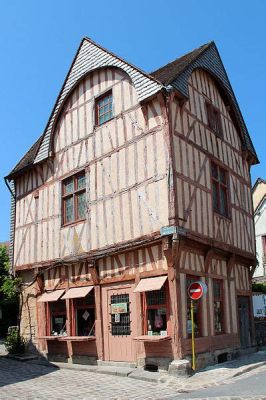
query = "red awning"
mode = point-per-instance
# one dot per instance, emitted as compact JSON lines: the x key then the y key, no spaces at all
{"x":51,"y":296}
{"x":149,"y":284}
{"x":77,"y":292}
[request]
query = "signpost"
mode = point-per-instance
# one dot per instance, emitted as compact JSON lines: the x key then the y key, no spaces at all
{"x":195,"y":291}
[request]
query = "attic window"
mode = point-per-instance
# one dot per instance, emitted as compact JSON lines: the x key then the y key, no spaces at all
{"x":104,"y":108}
{"x":214,"y":119}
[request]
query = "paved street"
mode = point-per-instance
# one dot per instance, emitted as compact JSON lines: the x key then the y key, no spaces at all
{"x":250,"y":385}
{"x":23,"y":381}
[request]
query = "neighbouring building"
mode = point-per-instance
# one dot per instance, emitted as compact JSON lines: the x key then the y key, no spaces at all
{"x":259,"y":204}
{"x":139,"y":185}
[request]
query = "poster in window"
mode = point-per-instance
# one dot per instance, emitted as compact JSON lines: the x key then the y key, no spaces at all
{"x":85,"y":315}
{"x":59,"y":320}
{"x":118,"y":308}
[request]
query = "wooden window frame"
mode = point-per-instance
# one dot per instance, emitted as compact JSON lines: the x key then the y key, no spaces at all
{"x":195,"y":278}
{"x":214,"y":119}
{"x":76,"y":192}
{"x":225,"y":186}
{"x":49,"y":315}
{"x":73,"y":310}
{"x":145,"y":309}
{"x":97,"y":108}
{"x":221,"y":282}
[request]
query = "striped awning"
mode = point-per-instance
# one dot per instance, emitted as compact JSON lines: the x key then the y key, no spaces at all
{"x":77,"y":292}
{"x":51,"y":296}
{"x":149,"y":284}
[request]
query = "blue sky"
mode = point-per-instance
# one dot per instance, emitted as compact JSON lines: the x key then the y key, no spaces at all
{"x":38,"y":41}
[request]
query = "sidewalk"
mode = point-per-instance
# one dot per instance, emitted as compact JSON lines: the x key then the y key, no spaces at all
{"x":210,"y":376}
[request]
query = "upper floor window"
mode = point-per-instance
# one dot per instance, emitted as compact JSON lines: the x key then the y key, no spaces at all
{"x":104,"y":108}
{"x":214,"y":119}
{"x":219,"y":189}
{"x":74,"y":198}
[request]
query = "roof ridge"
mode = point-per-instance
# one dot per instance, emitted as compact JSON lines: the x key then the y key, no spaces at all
{"x":199,"y":49}
{"x":122,"y":59}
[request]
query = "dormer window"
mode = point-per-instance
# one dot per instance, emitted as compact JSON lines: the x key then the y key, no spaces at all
{"x":104,"y":108}
{"x":214,"y":119}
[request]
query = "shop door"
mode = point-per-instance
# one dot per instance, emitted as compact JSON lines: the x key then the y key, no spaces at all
{"x":244,"y":321}
{"x":118,"y":320}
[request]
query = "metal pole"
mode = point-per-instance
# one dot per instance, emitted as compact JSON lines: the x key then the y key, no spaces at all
{"x":193,"y":336}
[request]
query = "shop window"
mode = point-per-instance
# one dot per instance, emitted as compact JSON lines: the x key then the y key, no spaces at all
{"x":74,"y":198}
{"x":104,"y":108}
{"x":84,"y":315}
{"x":197,"y":310}
{"x":156,"y":313}
{"x":218,"y":306}
{"x":219,"y":189}
{"x":57,"y":325}
{"x":214,"y":119}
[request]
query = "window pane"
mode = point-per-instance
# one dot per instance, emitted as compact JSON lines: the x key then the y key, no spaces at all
{"x":81,"y":182}
{"x":196,"y":318}
{"x":81,"y":205}
{"x":217,"y":290}
{"x":218,"y":317}
{"x":69,"y":209}
{"x":68,"y":186}
{"x":121,"y":323}
{"x":58,"y":317}
{"x":214,"y":169}
{"x":215,"y":195}
{"x":222,"y":176}
{"x":157,"y":320}
{"x":104,"y":108}
{"x":223,"y":201}
{"x":155,"y":297}
{"x":85,"y":321}
{"x":196,"y":304}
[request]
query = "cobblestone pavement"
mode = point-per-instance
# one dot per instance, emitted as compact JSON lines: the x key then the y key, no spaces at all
{"x":24,"y":381}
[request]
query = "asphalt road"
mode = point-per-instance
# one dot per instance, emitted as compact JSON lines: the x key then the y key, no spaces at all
{"x":250,"y":385}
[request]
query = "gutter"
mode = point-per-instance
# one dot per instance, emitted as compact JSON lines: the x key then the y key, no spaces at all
{"x":9,"y":188}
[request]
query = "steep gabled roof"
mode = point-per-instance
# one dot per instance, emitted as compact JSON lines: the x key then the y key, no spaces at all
{"x":88,"y":57}
{"x":170,"y":71}
{"x":175,"y":74}
{"x":28,"y":158}
{"x":206,"y":57}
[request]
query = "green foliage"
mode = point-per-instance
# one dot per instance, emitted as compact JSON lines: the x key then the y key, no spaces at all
{"x":14,"y":343}
{"x":259,"y":287}
{"x":9,"y":293}
{"x":9,"y":285}
{"x":10,"y":288}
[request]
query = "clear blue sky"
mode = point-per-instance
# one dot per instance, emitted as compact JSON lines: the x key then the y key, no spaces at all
{"x":38,"y":40}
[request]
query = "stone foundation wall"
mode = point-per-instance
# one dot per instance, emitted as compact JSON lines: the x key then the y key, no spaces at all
{"x":28,"y":323}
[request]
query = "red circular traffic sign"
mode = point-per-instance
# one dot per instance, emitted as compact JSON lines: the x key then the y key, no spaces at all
{"x":196,"y":290}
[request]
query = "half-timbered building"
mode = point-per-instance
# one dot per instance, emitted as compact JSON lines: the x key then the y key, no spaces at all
{"x":139,"y":185}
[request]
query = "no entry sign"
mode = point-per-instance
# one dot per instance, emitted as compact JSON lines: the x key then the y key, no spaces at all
{"x":196,"y":290}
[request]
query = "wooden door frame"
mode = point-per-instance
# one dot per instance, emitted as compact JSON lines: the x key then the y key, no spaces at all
{"x":106,"y":333}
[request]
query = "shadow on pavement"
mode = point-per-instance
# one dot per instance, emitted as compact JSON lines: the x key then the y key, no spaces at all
{"x":12,"y":371}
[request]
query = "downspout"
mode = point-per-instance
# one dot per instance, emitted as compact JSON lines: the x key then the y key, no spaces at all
{"x":12,"y":228}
